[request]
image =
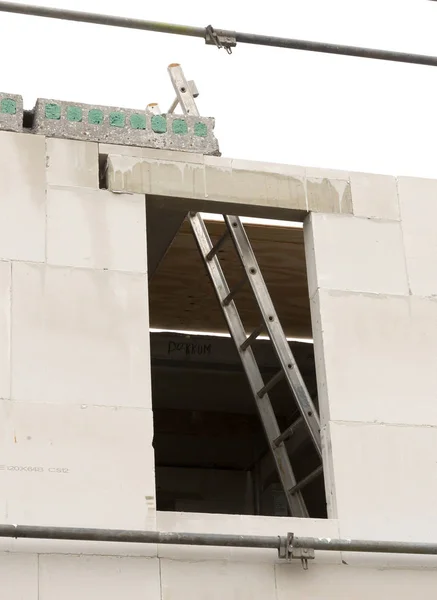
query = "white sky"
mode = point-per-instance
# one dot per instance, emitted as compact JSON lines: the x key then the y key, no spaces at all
{"x":270,"y":104}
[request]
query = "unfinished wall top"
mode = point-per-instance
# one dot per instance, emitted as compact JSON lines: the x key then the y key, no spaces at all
{"x":77,"y":121}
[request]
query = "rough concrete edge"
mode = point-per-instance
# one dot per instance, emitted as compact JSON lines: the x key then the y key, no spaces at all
{"x":123,"y":133}
{"x":12,"y":122}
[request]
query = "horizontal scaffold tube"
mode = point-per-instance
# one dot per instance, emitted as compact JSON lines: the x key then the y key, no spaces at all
{"x":275,"y":542}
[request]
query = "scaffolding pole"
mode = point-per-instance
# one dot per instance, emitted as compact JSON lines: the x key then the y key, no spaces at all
{"x":276,"y":542}
{"x":219,"y":37}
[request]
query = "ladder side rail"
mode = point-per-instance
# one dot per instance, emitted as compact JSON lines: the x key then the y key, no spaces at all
{"x":295,"y":501}
{"x":274,"y":328}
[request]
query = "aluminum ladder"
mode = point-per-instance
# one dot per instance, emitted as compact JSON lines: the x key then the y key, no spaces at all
{"x":270,"y":325}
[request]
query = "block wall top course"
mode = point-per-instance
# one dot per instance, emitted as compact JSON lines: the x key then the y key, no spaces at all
{"x":11,"y":112}
{"x":55,"y":118}
{"x":113,"y":125}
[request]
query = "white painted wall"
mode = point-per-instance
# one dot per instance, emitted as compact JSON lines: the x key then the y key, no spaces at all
{"x":75,"y":405}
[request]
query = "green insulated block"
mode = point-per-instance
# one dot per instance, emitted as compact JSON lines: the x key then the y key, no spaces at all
{"x":8,"y":106}
{"x":53,"y":111}
{"x":138,"y":121}
{"x":74,"y":113}
{"x":200,"y":129}
{"x":159,"y":124}
{"x":180,"y":127}
{"x":116,"y":119}
{"x":114,"y":125}
{"x":95,"y":116}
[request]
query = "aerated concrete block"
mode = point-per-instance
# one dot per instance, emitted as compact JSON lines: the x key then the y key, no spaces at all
{"x":240,"y":525}
{"x":345,"y":581}
{"x":96,"y":229}
{"x":80,"y":336}
{"x":216,"y":580}
{"x":418,"y":206}
{"x":19,"y":576}
{"x":72,"y":163}
{"x":5,"y":328}
{"x":129,"y":127}
{"x":22,"y":196}
{"x":355,"y":254}
{"x":91,"y":577}
{"x":374,"y":196}
{"x":384,"y":486}
{"x":376,"y":357}
{"x":77,"y":466}
{"x":11,"y":112}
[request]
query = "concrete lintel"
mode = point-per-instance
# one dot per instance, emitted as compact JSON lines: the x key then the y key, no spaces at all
{"x":216,"y":185}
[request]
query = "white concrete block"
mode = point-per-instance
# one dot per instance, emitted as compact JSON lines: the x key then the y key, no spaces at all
{"x":19,"y":576}
{"x":376,"y":357}
{"x":374,"y":196}
{"x":96,"y":229}
{"x":22,"y":196}
{"x":216,"y":581}
{"x":76,"y":466}
{"x":241,"y":525}
{"x":385,"y":486}
{"x":345,"y":582}
{"x":80,"y":336}
{"x":5,"y":329}
{"x":72,"y":163}
{"x":418,"y":204}
{"x":98,"y":577}
{"x":352,"y":254}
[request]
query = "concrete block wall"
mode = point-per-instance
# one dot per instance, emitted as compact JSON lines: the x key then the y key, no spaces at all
{"x":373,"y":285}
{"x":76,"y":420}
{"x":75,"y":406}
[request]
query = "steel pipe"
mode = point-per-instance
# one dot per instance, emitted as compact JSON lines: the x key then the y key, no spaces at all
{"x":139,"y":537}
{"x":275,"y":542}
{"x":201,"y":32}
{"x":349,"y":545}
{"x":99,"y":19}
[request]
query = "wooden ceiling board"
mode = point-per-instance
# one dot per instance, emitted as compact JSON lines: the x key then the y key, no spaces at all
{"x":182,"y":297}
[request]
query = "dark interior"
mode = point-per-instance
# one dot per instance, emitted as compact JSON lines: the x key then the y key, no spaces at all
{"x":210,"y":448}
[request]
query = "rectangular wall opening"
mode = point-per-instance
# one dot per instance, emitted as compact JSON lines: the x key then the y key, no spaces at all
{"x":211,"y":452}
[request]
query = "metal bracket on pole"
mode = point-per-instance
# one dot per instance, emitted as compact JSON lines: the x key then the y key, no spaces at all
{"x":304,"y":554}
{"x":220,"y":38}
{"x":287,"y":552}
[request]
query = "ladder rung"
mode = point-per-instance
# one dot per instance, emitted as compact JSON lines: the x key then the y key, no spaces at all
{"x":233,"y":292}
{"x":288,"y":432}
{"x":306,"y":480}
{"x":217,"y":246}
{"x":252,"y":337}
{"x":273,"y":381}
